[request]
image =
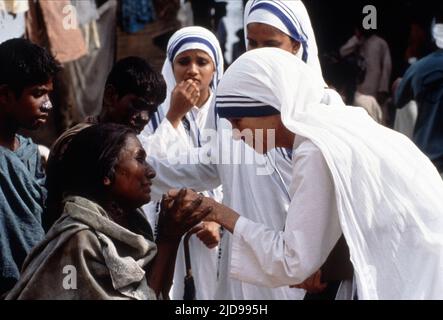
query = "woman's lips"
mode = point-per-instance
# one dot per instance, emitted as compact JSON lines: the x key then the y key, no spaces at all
{"x":194,"y":80}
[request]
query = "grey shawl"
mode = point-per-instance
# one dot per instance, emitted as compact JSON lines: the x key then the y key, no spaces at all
{"x":86,"y":255}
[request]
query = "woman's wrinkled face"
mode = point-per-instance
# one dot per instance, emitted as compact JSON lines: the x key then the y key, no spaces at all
{"x":131,"y":187}
{"x":196,"y":65}
{"x":262,"y":35}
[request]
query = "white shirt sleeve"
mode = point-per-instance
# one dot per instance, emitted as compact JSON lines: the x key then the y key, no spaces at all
{"x":274,"y":258}
{"x":164,"y":140}
{"x":175,"y":174}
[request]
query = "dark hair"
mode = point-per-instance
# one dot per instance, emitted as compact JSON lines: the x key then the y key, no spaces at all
{"x":91,"y":156}
{"x":24,"y":64}
{"x":135,"y":75}
{"x":344,"y":74}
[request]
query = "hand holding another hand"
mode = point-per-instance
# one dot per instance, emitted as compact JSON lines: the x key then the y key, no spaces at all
{"x":179,"y":213}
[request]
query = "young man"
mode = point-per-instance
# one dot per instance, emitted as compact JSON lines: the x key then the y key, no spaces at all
{"x":132,"y":94}
{"x":26,"y":77}
{"x":423,"y":82}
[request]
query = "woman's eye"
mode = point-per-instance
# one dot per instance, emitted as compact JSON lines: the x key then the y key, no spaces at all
{"x":183,"y":62}
{"x":202,"y":62}
{"x":38,"y":94}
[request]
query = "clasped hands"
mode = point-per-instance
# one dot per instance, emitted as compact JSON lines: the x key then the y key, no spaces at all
{"x":185,"y":211}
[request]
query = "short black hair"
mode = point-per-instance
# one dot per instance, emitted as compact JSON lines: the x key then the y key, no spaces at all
{"x":344,"y":74}
{"x":91,"y":156}
{"x":134,"y":75}
{"x":24,"y":64}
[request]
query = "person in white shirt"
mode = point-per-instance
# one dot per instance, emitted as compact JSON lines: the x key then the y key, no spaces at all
{"x":192,"y":70}
{"x":350,"y":175}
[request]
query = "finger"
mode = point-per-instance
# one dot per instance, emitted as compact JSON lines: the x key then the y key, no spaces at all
{"x":173,"y":193}
{"x":166,"y":202}
{"x":210,"y":245}
{"x":197,"y":218}
{"x":209,"y":240}
{"x":178,"y":201}
{"x":207,"y":237}
{"x":193,"y":206}
{"x":203,"y":214}
{"x":196,"y":229}
{"x":188,"y":84}
{"x":195,"y":92}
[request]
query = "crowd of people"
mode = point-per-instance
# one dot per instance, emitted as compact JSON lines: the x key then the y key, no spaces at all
{"x":154,"y":197}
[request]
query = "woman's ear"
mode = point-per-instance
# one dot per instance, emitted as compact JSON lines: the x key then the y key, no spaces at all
{"x":295,"y":46}
{"x":107,"y":182}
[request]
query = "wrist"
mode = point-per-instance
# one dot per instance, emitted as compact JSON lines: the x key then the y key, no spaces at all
{"x":170,"y":241}
{"x":174,"y":119}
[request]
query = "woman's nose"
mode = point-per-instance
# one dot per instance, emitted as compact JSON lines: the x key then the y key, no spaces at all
{"x":150,"y":172}
{"x":192,"y":69}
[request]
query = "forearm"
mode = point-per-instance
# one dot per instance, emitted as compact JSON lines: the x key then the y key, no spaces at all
{"x":225,"y":216}
{"x":162,"y":268}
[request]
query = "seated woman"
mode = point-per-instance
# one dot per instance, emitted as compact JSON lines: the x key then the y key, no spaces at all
{"x":102,"y":247}
{"x":351,"y":176}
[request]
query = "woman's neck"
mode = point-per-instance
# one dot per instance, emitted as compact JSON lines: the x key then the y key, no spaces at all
{"x":117,"y":214}
{"x":203,"y":99}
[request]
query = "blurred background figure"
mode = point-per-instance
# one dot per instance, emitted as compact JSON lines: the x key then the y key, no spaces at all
{"x":376,"y":54}
{"x":423,"y":82}
{"x":345,"y":75}
{"x":238,"y":48}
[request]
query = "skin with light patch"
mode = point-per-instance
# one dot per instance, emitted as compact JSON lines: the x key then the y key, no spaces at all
{"x":129,"y":110}
{"x":30,"y":111}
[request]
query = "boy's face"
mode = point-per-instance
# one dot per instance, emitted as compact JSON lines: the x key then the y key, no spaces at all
{"x":129,"y":110}
{"x":31,"y":109}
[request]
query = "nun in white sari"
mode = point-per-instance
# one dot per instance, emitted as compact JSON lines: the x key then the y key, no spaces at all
{"x":351,"y":176}
{"x":204,"y":261}
{"x":292,"y":19}
{"x":247,"y":185}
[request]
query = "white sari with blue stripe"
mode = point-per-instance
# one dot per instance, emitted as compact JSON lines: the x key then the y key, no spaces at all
{"x":204,"y":261}
{"x":243,"y":189}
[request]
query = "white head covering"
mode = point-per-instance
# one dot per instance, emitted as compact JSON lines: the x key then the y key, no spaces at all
{"x":437,"y":32}
{"x":188,"y":38}
{"x":290,"y":17}
{"x":389,"y":194}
